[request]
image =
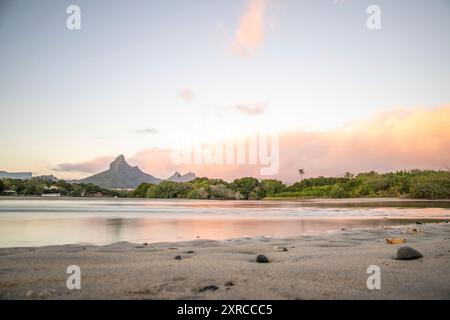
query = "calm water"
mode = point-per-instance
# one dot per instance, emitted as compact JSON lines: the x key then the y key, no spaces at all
{"x":57,"y":221}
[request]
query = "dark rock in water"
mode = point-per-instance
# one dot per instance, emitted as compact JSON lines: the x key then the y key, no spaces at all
{"x":282,"y":249}
{"x":177,"y":257}
{"x":418,"y":222}
{"x":262,"y":259}
{"x":190,"y":251}
{"x":408,"y":253}
{"x":229,"y":283}
{"x":208,"y":288}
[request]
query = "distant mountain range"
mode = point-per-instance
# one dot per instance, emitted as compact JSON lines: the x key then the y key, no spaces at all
{"x":16,"y":175}
{"x":121,"y":175}
{"x":177,"y":177}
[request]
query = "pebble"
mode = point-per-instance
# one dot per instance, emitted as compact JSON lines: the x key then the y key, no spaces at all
{"x":44,"y":294}
{"x":30,"y":294}
{"x":208,"y":288}
{"x":262,"y":259}
{"x":229,"y":283}
{"x":282,"y":249}
{"x":408,"y":253}
{"x":177,"y":257}
{"x":190,"y":251}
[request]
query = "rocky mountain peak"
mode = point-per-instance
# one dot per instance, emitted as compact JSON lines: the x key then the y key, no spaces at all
{"x":118,"y":163}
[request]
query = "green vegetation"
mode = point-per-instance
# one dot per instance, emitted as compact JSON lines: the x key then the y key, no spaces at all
{"x":200,"y":188}
{"x":37,"y":187}
{"x":418,"y":184}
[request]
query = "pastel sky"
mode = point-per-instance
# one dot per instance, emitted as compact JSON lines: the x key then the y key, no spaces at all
{"x":140,"y":76}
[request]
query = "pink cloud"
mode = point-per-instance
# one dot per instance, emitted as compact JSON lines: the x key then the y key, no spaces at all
{"x":389,"y":141}
{"x":250,"y":32}
{"x":155,"y":161}
{"x":186,"y":94}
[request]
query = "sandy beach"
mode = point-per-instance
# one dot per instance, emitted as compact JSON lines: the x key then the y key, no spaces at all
{"x":328,"y":266}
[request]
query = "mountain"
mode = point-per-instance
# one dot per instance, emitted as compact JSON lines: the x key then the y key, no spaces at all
{"x":49,"y":178}
{"x":120,"y":175}
{"x":177,"y":177}
{"x":16,"y":175}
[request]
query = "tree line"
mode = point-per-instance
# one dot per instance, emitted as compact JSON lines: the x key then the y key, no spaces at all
{"x":38,"y":186}
{"x":419,"y":184}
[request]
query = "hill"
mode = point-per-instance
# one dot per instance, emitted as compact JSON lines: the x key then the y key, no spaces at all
{"x":120,"y":175}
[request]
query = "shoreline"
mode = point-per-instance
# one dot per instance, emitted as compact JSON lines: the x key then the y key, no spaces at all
{"x":306,"y":200}
{"x":325,"y":266}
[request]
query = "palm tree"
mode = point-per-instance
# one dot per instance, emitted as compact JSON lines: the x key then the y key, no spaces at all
{"x":301,"y":172}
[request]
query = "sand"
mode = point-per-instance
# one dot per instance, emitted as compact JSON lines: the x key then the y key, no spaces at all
{"x":328,"y":266}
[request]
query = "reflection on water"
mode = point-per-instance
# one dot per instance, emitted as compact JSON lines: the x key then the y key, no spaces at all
{"x":48,"y":222}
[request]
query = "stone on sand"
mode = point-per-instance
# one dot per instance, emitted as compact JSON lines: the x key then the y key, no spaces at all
{"x":229,"y":284}
{"x":209,"y":288}
{"x":262,"y":259}
{"x":408,"y":253}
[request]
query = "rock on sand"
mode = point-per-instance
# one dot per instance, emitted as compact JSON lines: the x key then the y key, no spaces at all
{"x":408,"y":253}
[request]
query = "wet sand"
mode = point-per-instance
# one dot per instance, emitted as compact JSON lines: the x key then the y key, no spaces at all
{"x":328,"y":266}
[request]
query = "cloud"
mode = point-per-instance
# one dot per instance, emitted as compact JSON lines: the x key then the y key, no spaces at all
{"x":186,"y":94}
{"x":147,"y":130}
{"x":155,"y":161}
{"x":250,"y":33}
{"x":394,"y":140}
{"x":88,"y":166}
{"x":389,"y":141}
{"x":252,"y":109}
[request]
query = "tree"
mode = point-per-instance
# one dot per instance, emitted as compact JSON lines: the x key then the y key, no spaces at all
{"x":272,"y":186}
{"x":348,"y":175}
{"x":2,"y":186}
{"x":141,"y":190}
{"x":248,"y":187}
{"x":301,"y":172}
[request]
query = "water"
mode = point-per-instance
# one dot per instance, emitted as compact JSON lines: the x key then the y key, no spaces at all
{"x":39,"y":222}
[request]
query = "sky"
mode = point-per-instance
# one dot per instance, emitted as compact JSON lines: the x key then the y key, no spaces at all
{"x":141,"y":78}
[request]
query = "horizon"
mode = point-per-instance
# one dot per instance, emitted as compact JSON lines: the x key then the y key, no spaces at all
{"x":181,"y":174}
{"x":134,"y":80}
